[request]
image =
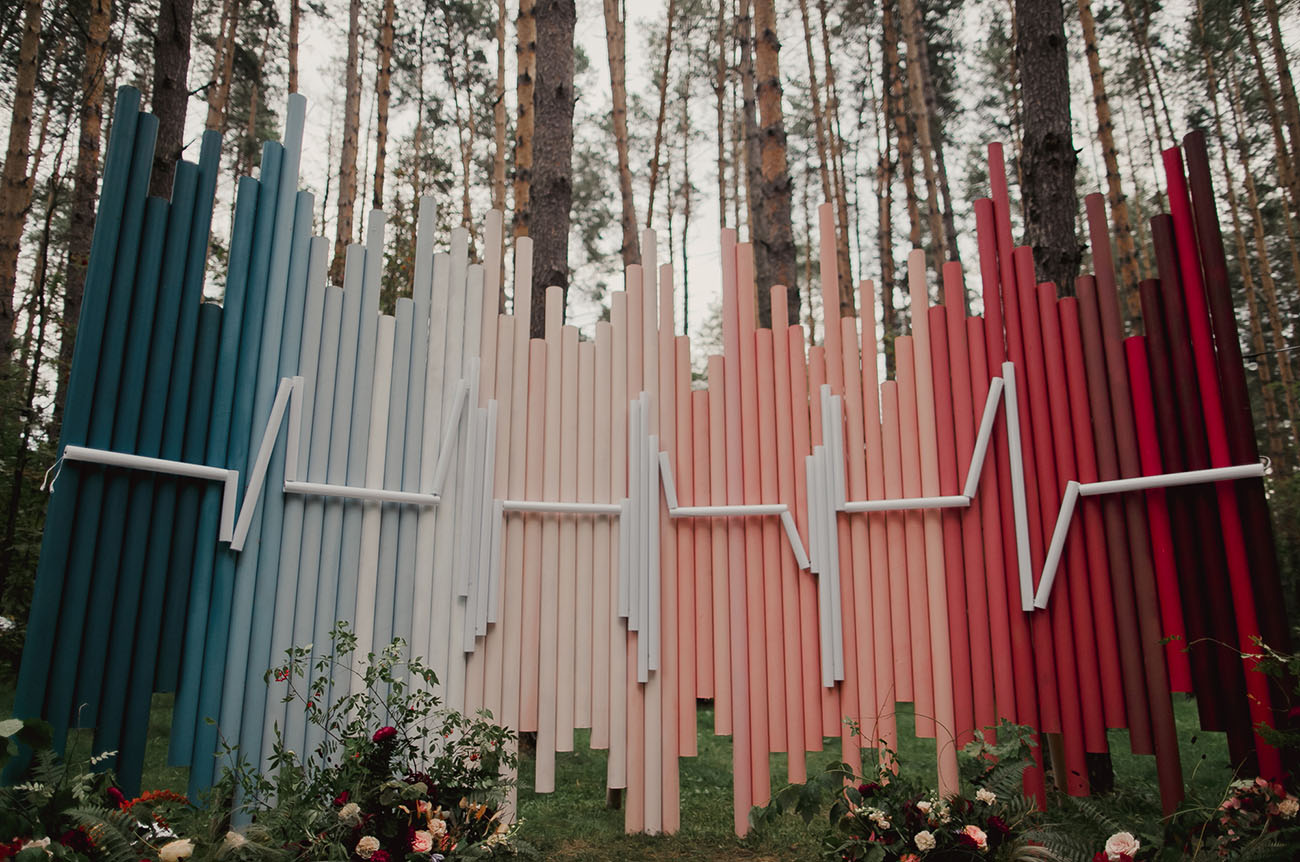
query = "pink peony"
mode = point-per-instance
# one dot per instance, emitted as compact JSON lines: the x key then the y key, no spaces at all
{"x":1121,"y":844}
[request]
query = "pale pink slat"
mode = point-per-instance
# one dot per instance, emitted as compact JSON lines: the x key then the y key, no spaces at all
{"x":783,"y":424}
{"x":530,"y":644}
{"x":567,"y":615}
{"x":548,"y":662}
{"x":762,"y":717}
{"x":896,"y":537}
{"x":936,"y":578}
{"x":586,"y":533}
{"x":634,"y":818}
{"x":918,"y":596}
{"x":685,"y":528}
{"x":669,"y":644}
{"x":703,"y":547}
{"x":828,"y":274}
{"x":742,"y":738}
{"x":718,"y":527}
{"x":882,"y":725}
{"x":604,"y":577}
{"x":617,"y":769}
{"x":497,"y":641}
{"x":513,"y":564}
{"x":806,"y":581}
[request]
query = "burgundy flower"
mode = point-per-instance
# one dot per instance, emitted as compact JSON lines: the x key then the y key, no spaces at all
{"x":998,"y":825}
{"x":77,"y":840}
{"x":384,"y":733}
{"x":967,"y":840}
{"x":118,"y":798}
{"x":380,"y":856}
{"x":341,"y":799}
{"x":868,"y":789}
{"x":1100,"y":856}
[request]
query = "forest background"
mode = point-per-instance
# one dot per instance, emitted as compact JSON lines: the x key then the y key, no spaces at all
{"x":589,"y":121}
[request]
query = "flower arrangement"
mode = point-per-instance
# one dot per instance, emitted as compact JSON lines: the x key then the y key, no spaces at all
{"x":884,"y":817}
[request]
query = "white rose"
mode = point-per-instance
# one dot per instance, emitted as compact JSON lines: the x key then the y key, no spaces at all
{"x":350,"y":813}
{"x":1288,"y":807}
{"x":43,"y":843}
{"x":176,"y":850}
{"x":924,"y":806}
{"x":367,"y":846}
{"x":1121,"y":843}
{"x":234,"y":841}
{"x":437,"y":827}
{"x":988,"y":797}
{"x":925,"y":840}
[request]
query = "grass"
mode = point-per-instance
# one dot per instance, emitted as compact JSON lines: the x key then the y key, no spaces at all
{"x":573,"y":824}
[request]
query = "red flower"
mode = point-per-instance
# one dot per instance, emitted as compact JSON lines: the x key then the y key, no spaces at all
{"x":384,"y":734}
{"x":380,"y":856}
{"x":1100,"y":856}
{"x":117,"y":796}
{"x":868,"y":789}
{"x":998,"y":825}
{"x":341,"y":799}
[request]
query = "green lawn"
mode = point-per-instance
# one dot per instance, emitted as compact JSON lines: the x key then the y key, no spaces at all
{"x":573,"y":823}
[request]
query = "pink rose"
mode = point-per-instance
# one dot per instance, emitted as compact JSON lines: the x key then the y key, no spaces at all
{"x":422,"y":841}
{"x":384,"y":733}
{"x":976,"y":836}
{"x":1121,"y":844}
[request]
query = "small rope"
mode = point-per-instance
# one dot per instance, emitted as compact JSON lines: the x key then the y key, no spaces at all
{"x":56,"y":468}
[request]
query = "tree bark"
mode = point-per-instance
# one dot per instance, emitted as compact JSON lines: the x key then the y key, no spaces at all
{"x":1286,"y":165}
{"x":848,"y":304}
{"x":526,"y":34}
{"x":894,"y":95}
{"x":1126,"y":250}
{"x":616,"y":42}
{"x":1284,"y":81}
{"x":686,"y":196}
{"x":720,"y":92}
{"x":351,"y":131}
{"x":223,"y":61}
{"x":171,"y":94}
{"x":16,"y":191}
{"x":498,"y":120}
{"x":81,"y":218}
{"x":663,"y":109}
{"x":919,"y":90}
{"x":384,"y":92}
{"x":553,"y":162}
{"x":776,"y":250}
{"x":295,"y":21}
{"x":1051,"y":204}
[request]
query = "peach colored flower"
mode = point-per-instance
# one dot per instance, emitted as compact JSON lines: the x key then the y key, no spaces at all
{"x":422,"y":841}
{"x":367,"y":846}
{"x":977,"y":835}
{"x":1121,"y":844}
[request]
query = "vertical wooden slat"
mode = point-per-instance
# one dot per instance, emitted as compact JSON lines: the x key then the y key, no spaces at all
{"x":687,"y":586}
{"x":604,"y":576}
{"x":566,"y":574}
{"x":585,"y":597}
{"x":809,"y":659}
{"x":720,"y":530}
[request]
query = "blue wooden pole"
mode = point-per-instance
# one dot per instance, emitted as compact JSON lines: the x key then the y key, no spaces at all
{"x":398,"y":403}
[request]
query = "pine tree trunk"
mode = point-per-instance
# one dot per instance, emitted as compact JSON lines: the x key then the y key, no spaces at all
{"x":616,"y":42}
{"x":814,"y":90}
{"x":1150,"y":71}
{"x":1051,"y":204}
{"x":498,"y":120}
{"x":885,"y":237}
{"x":351,"y":131}
{"x":749,"y":129}
{"x":295,"y":21}
{"x":81,"y":218}
{"x":918,"y":71}
{"x":464,"y":136}
{"x":1267,"y":285}
{"x":663,"y":109}
{"x":171,"y":45}
{"x":894,"y":94}
{"x":16,"y":191}
{"x":720,"y":92}
{"x":1126,"y":251}
{"x":776,"y":248}
{"x":848,"y":297}
{"x":1285,"y":83}
{"x":553,"y":160}
{"x":384,"y":93}
{"x":1286,"y":165}
{"x":686,"y":200}
{"x":223,"y":62}
{"x":526,"y":34}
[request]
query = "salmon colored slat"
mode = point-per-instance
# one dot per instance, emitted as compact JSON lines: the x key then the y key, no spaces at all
{"x":671,"y":644}
{"x":619,"y":734}
{"x":783,"y":425}
{"x":862,"y":572}
{"x":1089,"y":517}
{"x":767,"y":722}
{"x":684,"y":474}
{"x":880,"y":715}
{"x":1082,"y":629}
{"x":742,"y":737}
{"x":701,"y":495}
{"x":773,"y":622}
{"x":586,"y":536}
{"x":900,"y":602}
{"x":634,"y":816}
{"x":722,"y":666}
{"x":950,"y":522}
{"x":809,"y":673}
{"x":940,"y":652}
{"x":1162,"y":541}
{"x":967,"y":417}
{"x":828,"y":275}
{"x":917,"y":591}
{"x":830,"y":697}
{"x":604,"y":576}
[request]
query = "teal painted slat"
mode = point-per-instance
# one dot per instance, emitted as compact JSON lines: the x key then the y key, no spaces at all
{"x":202,"y":663}
{"x":167,"y":512}
{"x":232,"y":639}
{"x":75,"y":599}
{"x":124,"y":729}
{"x":115,"y":581}
{"x":182,"y":557}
